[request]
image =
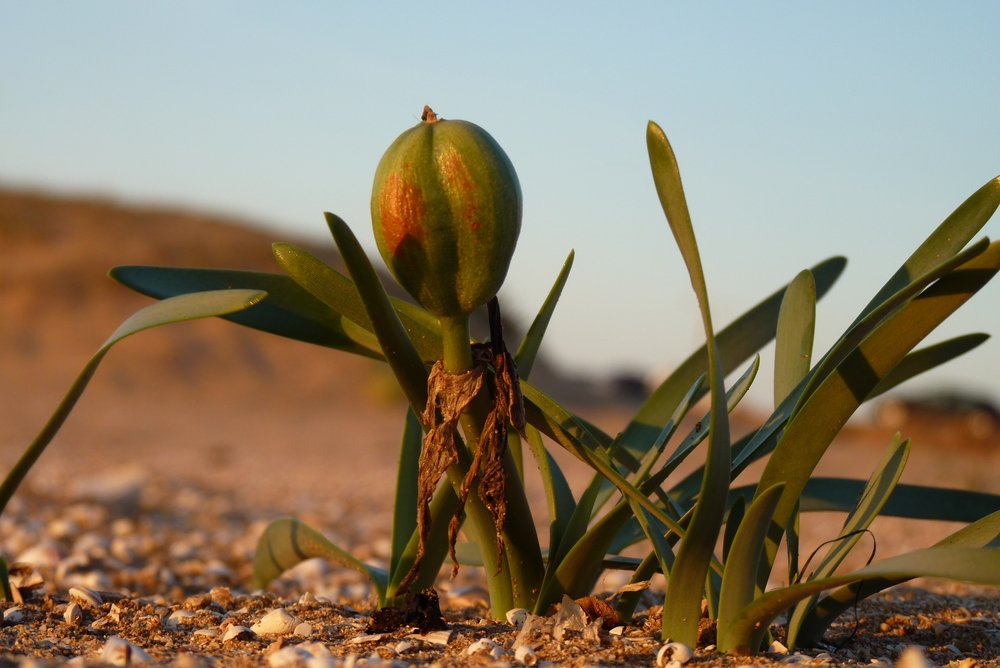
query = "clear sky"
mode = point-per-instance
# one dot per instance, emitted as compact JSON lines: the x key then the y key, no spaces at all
{"x":803,"y":130}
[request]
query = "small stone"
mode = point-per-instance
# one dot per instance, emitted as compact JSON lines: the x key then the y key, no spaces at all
{"x":777,"y":648}
{"x":208,"y":633}
{"x":222,"y":597}
{"x":953,"y":649}
{"x":307,"y":599}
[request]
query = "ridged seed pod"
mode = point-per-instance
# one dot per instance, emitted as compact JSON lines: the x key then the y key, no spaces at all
{"x":446,"y":212}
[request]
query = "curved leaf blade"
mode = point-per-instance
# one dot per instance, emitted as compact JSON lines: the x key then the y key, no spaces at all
{"x":174,"y":309}
{"x":794,"y":338}
{"x":289,"y":311}
{"x":287,"y":541}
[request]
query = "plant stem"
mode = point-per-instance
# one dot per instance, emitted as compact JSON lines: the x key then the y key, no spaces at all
{"x":458,"y":360}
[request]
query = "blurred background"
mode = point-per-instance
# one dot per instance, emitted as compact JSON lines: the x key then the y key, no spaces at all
{"x":190,"y":133}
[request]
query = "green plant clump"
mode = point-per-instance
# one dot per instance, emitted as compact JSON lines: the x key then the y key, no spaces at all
{"x":463,"y":397}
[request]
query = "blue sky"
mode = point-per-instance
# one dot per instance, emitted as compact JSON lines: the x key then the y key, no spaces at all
{"x":803,"y":130}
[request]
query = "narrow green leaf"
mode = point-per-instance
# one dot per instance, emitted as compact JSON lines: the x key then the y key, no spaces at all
{"x":982,"y":533}
{"x":528,"y":350}
{"x":443,"y":507}
{"x":737,"y":343}
{"x":174,"y":309}
{"x":404,"y":514}
{"x":558,"y":494}
{"x":289,"y":311}
{"x":737,"y":511}
{"x":657,"y":535}
{"x":978,"y":565}
{"x":812,"y":430}
{"x":794,"y":339}
{"x":682,"y":605}
{"x":341,"y":294}
{"x":287,"y":541}
{"x":876,"y":493}
{"x":739,"y":580}
{"x":398,"y":349}
{"x":910,"y":501}
{"x":553,"y":585}
{"x":8,"y":595}
{"x":949,"y":238}
{"x":925,"y":359}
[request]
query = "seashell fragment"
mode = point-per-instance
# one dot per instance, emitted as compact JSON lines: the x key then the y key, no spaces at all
{"x":177,"y":618}
{"x":777,"y":648}
{"x":86,"y":596}
{"x":526,"y":654}
{"x":484,"y":645}
{"x":276,"y":622}
{"x":439,"y":638}
{"x":119,"y":652}
{"x":404,"y":646}
{"x":235,"y":632}
{"x":73,"y":614}
{"x":303,"y":630}
{"x":13,"y":615}
{"x":674,"y":651}
{"x":516,"y":616}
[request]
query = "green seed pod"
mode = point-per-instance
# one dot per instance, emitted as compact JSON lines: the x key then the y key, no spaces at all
{"x":446,"y":211}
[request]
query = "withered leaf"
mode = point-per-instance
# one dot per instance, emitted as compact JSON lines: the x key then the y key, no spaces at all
{"x":597,"y":608}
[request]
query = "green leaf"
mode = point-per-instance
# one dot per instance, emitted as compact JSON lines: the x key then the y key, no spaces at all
{"x":739,"y":580}
{"x":925,"y":359}
{"x":554,"y":583}
{"x":628,"y":601}
{"x":8,"y":595}
{"x":341,"y":294}
{"x":528,"y":350}
{"x":657,"y":535}
{"x":287,"y":541}
{"x":175,"y":309}
{"x":982,"y":533}
{"x":825,"y":412}
{"x":874,"y":497}
{"x":737,"y":343}
{"x":443,"y":507}
{"x":978,"y":565}
{"x":682,"y":605}
{"x":398,"y":349}
{"x":404,"y":514}
{"x":949,"y":238}
{"x":794,"y":339}
{"x":558,"y":494}
{"x":909,"y":501}
{"x":289,"y":311}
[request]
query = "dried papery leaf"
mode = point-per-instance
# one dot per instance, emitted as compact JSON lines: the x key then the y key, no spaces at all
{"x":447,"y":396}
{"x":508,"y":408}
{"x":598,"y":609}
{"x":632,"y":586}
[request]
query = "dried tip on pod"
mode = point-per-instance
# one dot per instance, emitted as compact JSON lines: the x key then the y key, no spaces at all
{"x":446,"y":213}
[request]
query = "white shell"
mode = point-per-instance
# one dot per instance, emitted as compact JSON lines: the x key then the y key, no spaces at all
{"x":120,"y":652}
{"x":73,"y":614}
{"x":303,"y":630}
{"x":617,"y":631}
{"x":777,"y":648}
{"x":526,"y":654}
{"x":86,"y":595}
{"x":276,"y":622}
{"x":516,"y":617}
{"x":235,"y":631}
{"x":674,"y":651}
{"x":177,"y":617}
{"x":14,"y":615}
{"x":439,"y":638}
{"x":484,"y":645}
{"x":404,"y":646}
